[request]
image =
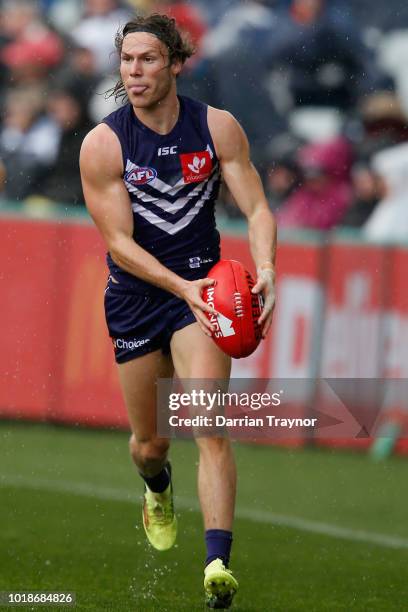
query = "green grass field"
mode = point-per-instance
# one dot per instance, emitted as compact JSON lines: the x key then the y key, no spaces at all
{"x":315,"y":530}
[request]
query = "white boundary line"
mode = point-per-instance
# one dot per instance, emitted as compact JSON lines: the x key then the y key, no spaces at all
{"x":257,"y":516}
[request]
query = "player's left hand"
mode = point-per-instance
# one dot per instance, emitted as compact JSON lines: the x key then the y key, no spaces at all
{"x":265,"y":284}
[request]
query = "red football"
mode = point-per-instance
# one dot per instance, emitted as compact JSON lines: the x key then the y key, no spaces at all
{"x":237,"y":332}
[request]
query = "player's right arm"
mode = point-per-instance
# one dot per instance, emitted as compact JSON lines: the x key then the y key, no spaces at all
{"x":108,"y":203}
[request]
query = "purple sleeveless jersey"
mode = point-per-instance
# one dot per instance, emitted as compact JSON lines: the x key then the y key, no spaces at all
{"x":173,"y":182}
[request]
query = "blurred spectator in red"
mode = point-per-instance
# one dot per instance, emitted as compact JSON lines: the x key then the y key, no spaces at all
{"x":28,"y":142}
{"x":189,"y":19}
{"x":325,"y":195}
{"x":31,"y":48}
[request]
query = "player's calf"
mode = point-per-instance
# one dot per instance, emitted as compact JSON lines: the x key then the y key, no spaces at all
{"x":149,"y":455}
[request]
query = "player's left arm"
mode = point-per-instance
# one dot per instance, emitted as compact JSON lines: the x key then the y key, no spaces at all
{"x":245,"y":185}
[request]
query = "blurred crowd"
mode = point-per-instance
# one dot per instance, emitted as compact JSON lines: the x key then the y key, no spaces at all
{"x":320,"y":86}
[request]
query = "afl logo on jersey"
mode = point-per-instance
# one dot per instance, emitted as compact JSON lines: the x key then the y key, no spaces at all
{"x":140,"y":175}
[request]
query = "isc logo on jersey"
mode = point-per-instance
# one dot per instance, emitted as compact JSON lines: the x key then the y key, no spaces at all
{"x":167,"y":150}
{"x":140,"y":175}
{"x":196,"y":167}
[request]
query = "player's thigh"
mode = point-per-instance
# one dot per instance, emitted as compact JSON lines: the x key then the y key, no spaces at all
{"x":195,"y":355}
{"x":138,"y":378}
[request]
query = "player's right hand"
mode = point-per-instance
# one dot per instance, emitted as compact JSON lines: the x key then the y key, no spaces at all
{"x":192,"y":293}
{"x":265,"y":284}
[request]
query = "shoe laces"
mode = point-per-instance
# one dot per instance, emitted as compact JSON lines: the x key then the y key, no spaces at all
{"x":161,"y":512}
{"x":224,"y":569}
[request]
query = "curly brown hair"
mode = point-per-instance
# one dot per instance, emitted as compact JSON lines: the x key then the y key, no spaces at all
{"x":165,"y":29}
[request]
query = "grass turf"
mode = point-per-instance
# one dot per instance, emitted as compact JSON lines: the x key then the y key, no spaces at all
{"x":94,"y":544}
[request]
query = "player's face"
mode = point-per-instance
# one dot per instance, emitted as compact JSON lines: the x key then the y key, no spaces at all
{"x":145,"y":71}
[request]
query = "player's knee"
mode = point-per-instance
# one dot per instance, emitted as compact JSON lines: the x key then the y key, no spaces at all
{"x":213,"y":446}
{"x":145,"y":452}
{"x":152,"y":452}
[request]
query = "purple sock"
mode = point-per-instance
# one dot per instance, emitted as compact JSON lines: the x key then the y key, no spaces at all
{"x":218,"y":543}
{"x":160,"y":482}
